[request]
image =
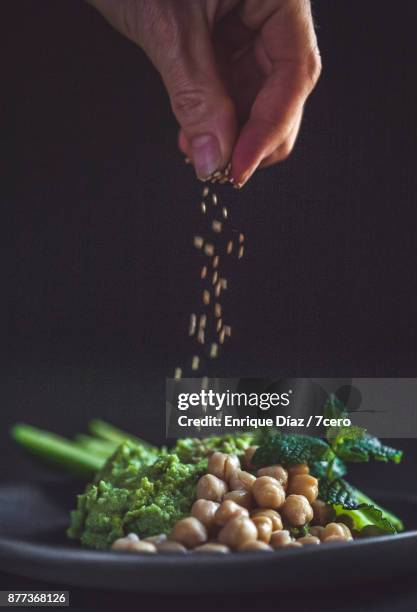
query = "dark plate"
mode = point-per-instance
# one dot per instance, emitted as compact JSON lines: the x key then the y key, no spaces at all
{"x":33,"y":544}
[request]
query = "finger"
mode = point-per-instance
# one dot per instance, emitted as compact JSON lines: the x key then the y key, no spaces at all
{"x":288,"y":45}
{"x":186,"y":62}
{"x":285,"y":149}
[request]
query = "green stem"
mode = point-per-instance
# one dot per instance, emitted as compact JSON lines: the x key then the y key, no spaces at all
{"x":57,"y":450}
{"x":104,"y":430}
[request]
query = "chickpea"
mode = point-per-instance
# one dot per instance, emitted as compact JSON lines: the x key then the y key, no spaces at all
{"x":222,"y":465}
{"x":204,"y":510}
{"x":299,"y":468}
{"x":237,"y":532}
{"x":212,"y":488}
{"x":308,"y":539}
{"x":124,"y":544}
{"x":133,"y":537}
{"x":280,"y":538}
{"x":317,"y":531}
{"x":334,"y":538}
{"x":256,"y":545}
{"x":322,"y":513}
{"x":272,"y":514}
{"x":268,"y":493}
{"x":212,"y":547}
{"x":143,"y":547}
{"x":170,"y":547}
{"x":304,"y":484}
{"x":296,"y":510}
{"x":264,"y":527}
{"x":189,"y":531}
{"x":157,"y":539}
{"x":247,"y":458}
{"x":275,"y":471}
{"x":336,"y":529}
{"x":228,"y":510}
{"x":293,"y":545}
{"x":241,"y":497}
{"x":242,"y":480}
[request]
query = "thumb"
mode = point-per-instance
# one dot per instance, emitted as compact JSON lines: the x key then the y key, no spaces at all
{"x":199,"y":99}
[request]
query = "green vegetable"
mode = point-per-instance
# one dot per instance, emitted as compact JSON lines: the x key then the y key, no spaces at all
{"x":289,"y":449}
{"x":334,"y":468}
{"x":56,"y":450}
{"x":353,"y":443}
{"x":127,"y":496}
{"x":361,"y":447}
{"x":337,"y":492}
{"x":108,"y":432}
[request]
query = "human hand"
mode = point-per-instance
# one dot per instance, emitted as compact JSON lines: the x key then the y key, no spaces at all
{"x":237,"y":72}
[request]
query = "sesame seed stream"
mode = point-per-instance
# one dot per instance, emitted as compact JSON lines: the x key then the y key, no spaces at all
{"x":217,"y":245}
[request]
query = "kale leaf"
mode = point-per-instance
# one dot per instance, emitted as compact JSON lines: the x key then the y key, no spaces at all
{"x":338,"y":492}
{"x":290,"y":449}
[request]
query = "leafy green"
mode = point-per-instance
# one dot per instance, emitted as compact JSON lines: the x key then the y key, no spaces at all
{"x":364,"y":448}
{"x":290,"y":449}
{"x":337,"y":492}
{"x":353,"y":443}
{"x":334,"y":468}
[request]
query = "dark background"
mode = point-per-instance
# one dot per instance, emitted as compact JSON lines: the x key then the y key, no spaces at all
{"x":98,"y":214}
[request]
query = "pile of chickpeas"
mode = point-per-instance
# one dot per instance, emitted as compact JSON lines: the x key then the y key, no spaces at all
{"x":236,"y":510}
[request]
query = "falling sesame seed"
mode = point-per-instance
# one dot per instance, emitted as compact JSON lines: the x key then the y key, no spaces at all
{"x":193,"y":323}
{"x":217,"y":310}
{"x":224,"y":212}
{"x":203,"y":321}
{"x":195,"y":362}
{"x":204,"y":385}
{"x":203,"y":272}
{"x":206,"y":191}
{"x":215,"y":277}
{"x":241,"y":238}
{"x":218,"y":289}
{"x":206,"y":297}
{"x":222,"y":336}
{"x":187,"y":160}
{"x":229,"y":247}
{"x":214,"y":199}
{"x":216,"y":261}
{"x":223,"y":283}
{"x":203,"y":208}
{"x":198,"y":242}
{"x":201,"y":336}
{"x":227,"y":330}
{"x":177,"y":373}
{"x":209,"y":249}
{"x":241,"y":252}
{"x":214,"y":348}
{"x":217,"y":174}
{"x":219,"y":325}
{"x":216,"y":226}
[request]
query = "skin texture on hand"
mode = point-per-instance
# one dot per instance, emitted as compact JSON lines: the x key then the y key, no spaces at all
{"x":237,"y":72}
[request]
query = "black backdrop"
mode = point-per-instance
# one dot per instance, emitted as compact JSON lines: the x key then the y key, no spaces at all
{"x":98,"y":214}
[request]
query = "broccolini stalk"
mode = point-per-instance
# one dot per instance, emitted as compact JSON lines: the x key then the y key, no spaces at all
{"x":98,"y":447}
{"x":108,"y":432}
{"x":57,"y":451}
